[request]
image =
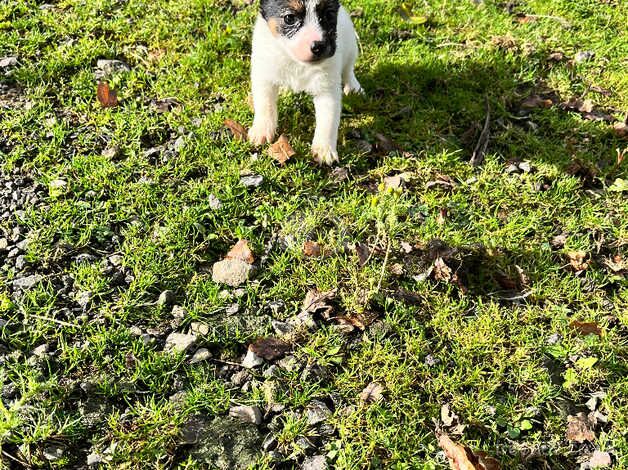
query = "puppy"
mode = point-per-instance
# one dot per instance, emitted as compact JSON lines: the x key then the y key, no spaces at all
{"x":303,"y":45}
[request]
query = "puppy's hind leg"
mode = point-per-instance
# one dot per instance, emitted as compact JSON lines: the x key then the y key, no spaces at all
{"x":265,"y":95}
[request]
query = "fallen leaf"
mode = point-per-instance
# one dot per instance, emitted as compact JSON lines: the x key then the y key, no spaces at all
{"x":242,"y":252}
{"x":616,"y":264}
{"x":373,"y":393}
{"x":556,"y":57}
{"x":106,"y":96}
{"x":364,"y":253}
{"x":447,"y":416}
{"x":620,"y":129}
{"x":319,"y":302}
{"x":357,"y":320}
{"x":270,"y":348}
{"x":523,"y":18}
{"x":586,"y":328}
{"x":311,"y":248}
{"x":397,"y":181}
{"x":462,"y":458}
{"x":443,"y":181}
{"x":237,"y":130}
{"x":165,"y":105}
{"x":441,"y":271}
{"x":441,"y":217}
{"x":577,"y":260}
{"x":559,"y":240}
{"x":619,"y":185}
{"x":578,"y":429}
{"x":384,"y":144}
{"x":281,"y":150}
{"x":535,"y":101}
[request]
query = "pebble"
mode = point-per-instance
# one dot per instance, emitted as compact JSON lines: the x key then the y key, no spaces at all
{"x":247,"y":414}
{"x":202,"y":354}
{"x":180,"y":342}
{"x":252,"y":360}
{"x":232,"y":272}
{"x":27,"y":282}
{"x":314,"y":462}
{"x":166,"y":298}
{"x":214,"y":202}
{"x":317,"y":412}
{"x":9,"y":61}
{"x":41,"y":350}
{"x":252,"y":181}
{"x":53,"y":452}
{"x":199,"y":328}
{"x":94,"y":459}
{"x":270,"y":443}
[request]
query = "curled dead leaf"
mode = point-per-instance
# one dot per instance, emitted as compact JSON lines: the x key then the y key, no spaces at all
{"x":462,"y":458}
{"x":107,"y":97}
{"x":441,"y":271}
{"x":586,"y":328}
{"x":620,"y":129}
{"x":242,"y":252}
{"x":579,"y":429}
{"x":269,"y":348}
{"x":281,"y":150}
{"x":311,"y":249}
{"x":577,"y":260}
{"x":364,"y":253}
{"x":237,"y":130}
{"x":373,"y":393}
{"x":319,"y":302}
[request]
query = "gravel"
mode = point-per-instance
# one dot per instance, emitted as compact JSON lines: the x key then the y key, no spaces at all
{"x":247,"y":414}
{"x":180,"y":342}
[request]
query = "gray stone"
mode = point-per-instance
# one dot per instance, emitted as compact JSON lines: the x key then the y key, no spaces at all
{"x":227,"y":444}
{"x":9,"y":61}
{"x":252,"y":360}
{"x":27,"y":282}
{"x":41,"y":350}
{"x":108,"y":67}
{"x":180,"y":342}
{"x":166,"y":298}
{"x":179,"y":312}
{"x":252,"y":181}
{"x":240,"y":378}
{"x":289,"y":363}
{"x":94,"y":459}
{"x":232,"y":309}
{"x":232,"y":272}
{"x":202,"y":354}
{"x":214,"y":202}
{"x":282,"y":328}
{"x":270,"y":443}
{"x":247,"y":414}
{"x":199,"y":328}
{"x":315,"y":462}
{"x":317,"y":412}
{"x":54,"y":452}
{"x":83,"y":298}
{"x":4,"y":244}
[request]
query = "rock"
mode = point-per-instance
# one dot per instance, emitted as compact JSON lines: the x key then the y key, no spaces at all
{"x":600,"y":460}
{"x":4,"y":244}
{"x":247,"y":414}
{"x":317,"y":412}
{"x":106,"y":68}
{"x":227,"y":444}
{"x":199,"y":328}
{"x":27,"y":282}
{"x":179,"y":313}
{"x":165,"y":298}
{"x":270,"y":443}
{"x":94,"y":459}
{"x":314,"y":462}
{"x":214,"y":202}
{"x":41,"y":350}
{"x":202,"y":354}
{"x":252,"y":360}
{"x":289,"y":363}
{"x":83,"y":298}
{"x":179,"y":144}
{"x":305,"y":445}
{"x":135,"y":330}
{"x":283,"y":328}
{"x":252,"y":181}
{"x":232,"y":309}
{"x":180,"y":342}
{"x":232,"y":272}
{"x":583,"y":56}
{"x":7,"y":62}
{"x":53,"y":452}
{"x":192,"y":430}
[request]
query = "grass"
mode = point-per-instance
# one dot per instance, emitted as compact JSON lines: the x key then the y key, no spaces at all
{"x":490,"y":359}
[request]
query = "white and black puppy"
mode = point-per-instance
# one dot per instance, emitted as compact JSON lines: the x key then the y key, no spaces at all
{"x":303,"y":45}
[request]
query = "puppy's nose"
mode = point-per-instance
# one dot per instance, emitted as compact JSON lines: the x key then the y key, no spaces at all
{"x":318,"y":47}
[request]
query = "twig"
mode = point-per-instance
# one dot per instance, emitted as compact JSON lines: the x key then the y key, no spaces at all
{"x":480,"y":149}
{"x":54,"y":320}
{"x":15,"y":459}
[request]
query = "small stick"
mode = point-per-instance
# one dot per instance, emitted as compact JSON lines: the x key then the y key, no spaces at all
{"x":54,"y":320}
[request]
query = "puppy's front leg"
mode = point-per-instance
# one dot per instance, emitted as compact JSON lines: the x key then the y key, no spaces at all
{"x":328,"y":107}
{"x":265,"y":105}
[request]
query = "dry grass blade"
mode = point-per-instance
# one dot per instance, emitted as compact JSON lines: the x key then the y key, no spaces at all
{"x":480,"y":148}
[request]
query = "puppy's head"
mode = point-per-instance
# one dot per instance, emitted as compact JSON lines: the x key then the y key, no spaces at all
{"x":305,"y":28}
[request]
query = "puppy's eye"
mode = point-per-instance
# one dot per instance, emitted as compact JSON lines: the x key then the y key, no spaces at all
{"x":290,"y":19}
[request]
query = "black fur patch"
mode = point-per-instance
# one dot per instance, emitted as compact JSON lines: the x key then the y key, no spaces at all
{"x":327,"y":12}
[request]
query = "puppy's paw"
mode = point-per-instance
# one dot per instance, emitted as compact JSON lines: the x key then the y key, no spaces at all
{"x":324,"y":154}
{"x":260,"y":134}
{"x":353,"y":86}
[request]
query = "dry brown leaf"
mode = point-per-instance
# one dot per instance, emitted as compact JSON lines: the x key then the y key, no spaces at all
{"x":559,"y":240}
{"x":586,"y":328}
{"x":270,"y":348}
{"x":616,"y":264}
{"x":311,"y":248}
{"x":373,"y":393}
{"x":577,"y":260}
{"x":357,"y":320}
{"x":281,"y":150}
{"x":535,"y":101}
{"x":523,"y":18}
{"x":319,"y":302}
{"x":441,"y":217}
{"x":242,"y":252}
{"x":462,"y":458}
{"x":364,"y":253}
{"x":441,"y":271}
{"x":578,"y":429}
{"x":620,"y":129}
{"x":237,"y":130}
{"x":556,"y":57}
{"x":107,"y":97}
